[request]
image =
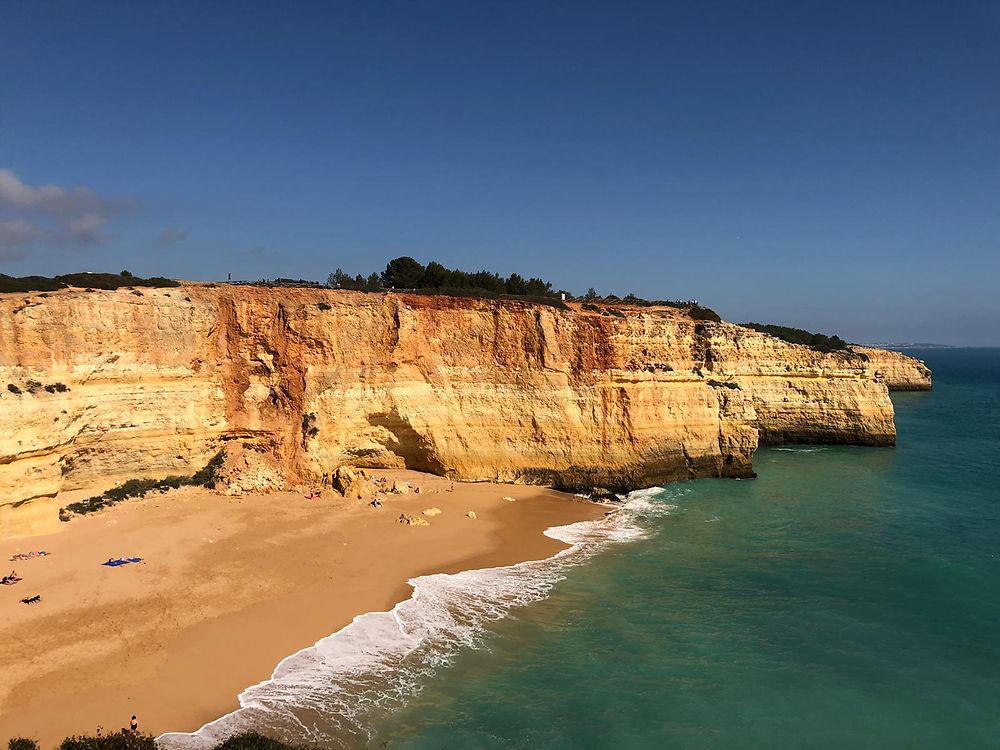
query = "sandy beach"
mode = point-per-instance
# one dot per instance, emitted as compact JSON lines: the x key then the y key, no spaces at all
{"x":227,"y":588}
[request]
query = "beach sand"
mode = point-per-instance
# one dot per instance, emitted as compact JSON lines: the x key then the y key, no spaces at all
{"x":227,"y":589}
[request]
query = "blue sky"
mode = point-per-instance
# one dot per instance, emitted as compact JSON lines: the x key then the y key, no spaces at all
{"x":834,"y":166}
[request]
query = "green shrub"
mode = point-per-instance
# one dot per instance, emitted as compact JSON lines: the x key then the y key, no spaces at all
{"x":121,"y":741}
{"x":159,"y":282}
{"x":697,"y":312}
{"x":205,"y":477}
{"x":22,"y":743}
{"x":818,"y":341}
{"x":208,"y":476}
{"x":89,"y":281}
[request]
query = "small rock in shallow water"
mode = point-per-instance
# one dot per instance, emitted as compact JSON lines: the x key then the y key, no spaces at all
{"x":432,"y":512}
{"x":510,"y":499}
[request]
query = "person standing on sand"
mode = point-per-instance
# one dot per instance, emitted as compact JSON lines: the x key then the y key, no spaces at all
{"x":134,"y":725}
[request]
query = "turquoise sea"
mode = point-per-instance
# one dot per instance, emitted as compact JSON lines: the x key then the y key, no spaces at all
{"x":846,"y":598}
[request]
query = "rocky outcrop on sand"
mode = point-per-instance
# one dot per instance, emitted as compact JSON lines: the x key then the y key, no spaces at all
{"x":99,"y":387}
{"x":411,"y":520}
{"x":352,"y":484}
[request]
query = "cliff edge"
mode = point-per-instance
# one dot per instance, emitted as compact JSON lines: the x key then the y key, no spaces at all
{"x":102,"y":386}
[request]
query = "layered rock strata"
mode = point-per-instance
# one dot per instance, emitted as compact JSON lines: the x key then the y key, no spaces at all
{"x":898,"y":371}
{"x":98,"y":387}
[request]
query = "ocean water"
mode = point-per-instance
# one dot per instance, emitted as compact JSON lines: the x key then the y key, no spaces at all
{"x":846,"y":598}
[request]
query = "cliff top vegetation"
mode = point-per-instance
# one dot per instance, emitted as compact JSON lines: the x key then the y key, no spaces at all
{"x":818,"y":341}
{"x":407,"y":274}
{"x":82,"y":280}
{"x":401,"y":274}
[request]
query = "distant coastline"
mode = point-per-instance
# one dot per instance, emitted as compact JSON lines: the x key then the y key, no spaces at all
{"x":894,"y":345}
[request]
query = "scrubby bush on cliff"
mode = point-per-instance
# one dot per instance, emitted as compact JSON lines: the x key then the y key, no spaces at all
{"x":205,"y":477}
{"x":22,"y":743}
{"x":209,"y":475}
{"x":697,"y":312}
{"x":120,"y":741}
{"x":818,"y":341}
{"x":409,"y":274}
{"x":406,"y":273}
{"x":89,"y":281}
{"x":341,"y":280}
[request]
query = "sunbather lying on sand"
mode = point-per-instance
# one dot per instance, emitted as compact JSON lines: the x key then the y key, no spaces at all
{"x":32,"y":599}
{"x":28,"y":555}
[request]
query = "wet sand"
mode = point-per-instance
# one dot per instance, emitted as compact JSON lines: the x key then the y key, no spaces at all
{"x":227,"y":589}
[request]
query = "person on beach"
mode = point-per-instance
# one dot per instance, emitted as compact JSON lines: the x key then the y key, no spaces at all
{"x":134,"y":725}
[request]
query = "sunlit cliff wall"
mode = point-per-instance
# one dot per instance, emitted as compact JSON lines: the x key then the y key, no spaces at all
{"x":121,"y":384}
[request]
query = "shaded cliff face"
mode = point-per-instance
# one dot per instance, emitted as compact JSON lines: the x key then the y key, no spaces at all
{"x":116,"y":385}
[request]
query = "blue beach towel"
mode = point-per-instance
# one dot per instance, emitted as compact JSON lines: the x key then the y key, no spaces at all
{"x":118,"y":563}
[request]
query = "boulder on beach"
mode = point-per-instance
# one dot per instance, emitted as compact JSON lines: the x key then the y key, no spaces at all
{"x":352,"y":484}
{"x":410,"y":520}
{"x":471,"y":514}
{"x":400,"y":488}
{"x":602,"y":495}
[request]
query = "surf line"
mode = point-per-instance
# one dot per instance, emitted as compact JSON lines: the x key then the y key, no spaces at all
{"x":379,"y":659}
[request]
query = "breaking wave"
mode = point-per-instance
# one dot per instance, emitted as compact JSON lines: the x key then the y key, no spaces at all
{"x":326,"y":694}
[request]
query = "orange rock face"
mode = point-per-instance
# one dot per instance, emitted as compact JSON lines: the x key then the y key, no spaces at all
{"x":109,"y":386}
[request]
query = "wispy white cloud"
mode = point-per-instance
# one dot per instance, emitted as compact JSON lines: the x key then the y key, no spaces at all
{"x":54,"y":215}
{"x":171,"y":236}
{"x":15,"y":236}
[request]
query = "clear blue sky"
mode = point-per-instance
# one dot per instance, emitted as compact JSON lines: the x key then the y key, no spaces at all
{"x":830,"y":165}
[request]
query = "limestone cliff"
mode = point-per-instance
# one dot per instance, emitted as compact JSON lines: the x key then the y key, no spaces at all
{"x":898,"y":371}
{"x":97,"y":387}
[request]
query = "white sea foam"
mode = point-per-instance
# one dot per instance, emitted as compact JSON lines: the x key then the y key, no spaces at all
{"x":325,"y":694}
